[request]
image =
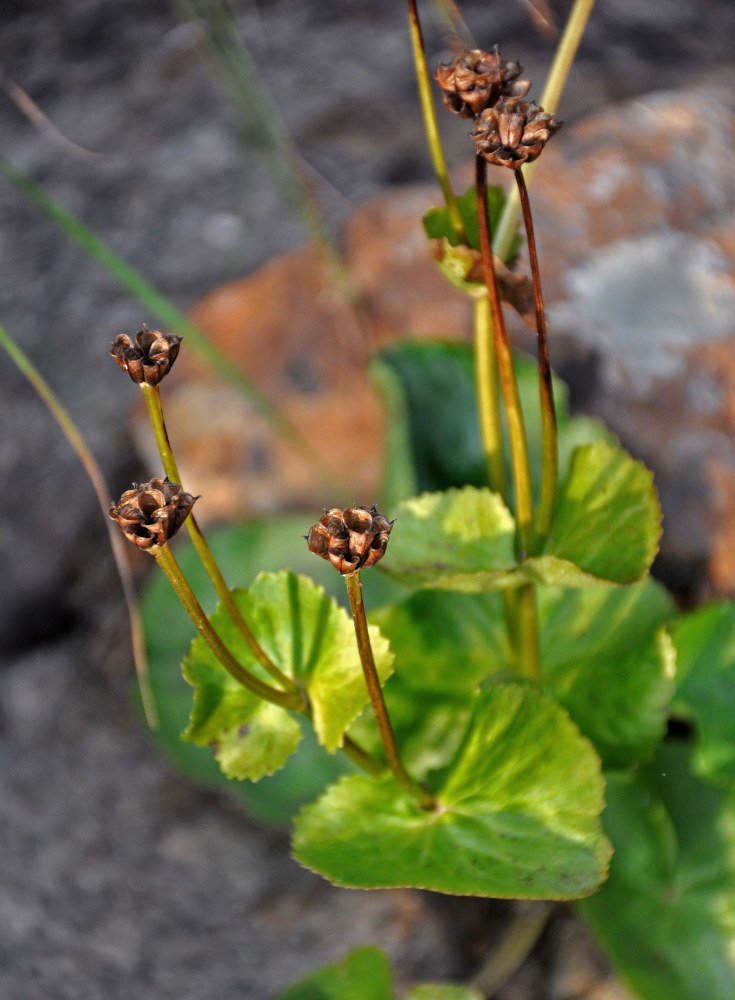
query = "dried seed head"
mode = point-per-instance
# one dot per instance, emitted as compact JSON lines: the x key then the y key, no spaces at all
{"x":475,"y":80}
{"x":351,"y":539}
{"x":150,"y":513}
{"x":513,"y":132}
{"x":149,"y":358}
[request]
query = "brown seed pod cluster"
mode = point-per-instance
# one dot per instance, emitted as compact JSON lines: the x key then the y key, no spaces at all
{"x":149,"y":358}
{"x":513,"y":132}
{"x":354,"y":538}
{"x":509,"y":131}
{"x":151,"y":513}
{"x":475,"y":80}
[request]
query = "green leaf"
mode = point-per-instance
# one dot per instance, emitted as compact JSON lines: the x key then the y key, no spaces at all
{"x":705,"y":644}
{"x":241,"y":552}
{"x":443,"y":991}
{"x":438,"y":223}
{"x":364,"y":974}
{"x":607,"y":522}
{"x":439,"y":386}
{"x":260,"y":746}
{"x":309,"y":637}
{"x":250,"y":738}
{"x":456,"y":258}
{"x":459,"y":539}
{"x":605,"y":657}
{"x":517,"y":815}
{"x":666,"y":916}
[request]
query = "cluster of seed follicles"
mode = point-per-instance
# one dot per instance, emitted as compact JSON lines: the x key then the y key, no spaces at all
{"x":351,"y":539}
{"x":508,"y":130}
{"x":151,"y":513}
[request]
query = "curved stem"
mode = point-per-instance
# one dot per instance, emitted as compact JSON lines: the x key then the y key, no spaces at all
{"x":550,"y":97}
{"x":295,"y":700}
{"x":524,"y":931}
{"x":117,"y":544}
{"x":549,"y":442}
{"x":152,"y":398}
{"x":516,"y":428}
{"x":354,"y":591}
{"x":430,"y":124}
{"x":363,"y":759}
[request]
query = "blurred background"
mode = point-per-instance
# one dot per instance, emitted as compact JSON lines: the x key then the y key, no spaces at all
{"x":176,"y":132}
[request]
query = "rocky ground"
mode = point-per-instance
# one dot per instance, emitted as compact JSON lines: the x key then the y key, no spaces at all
{"x":119,"y":878}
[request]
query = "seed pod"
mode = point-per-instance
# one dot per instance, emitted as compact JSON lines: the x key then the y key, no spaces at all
{"x":333,"y":522}
{"x":318,"y":540}
{"x":513,"y":132}
{"x":350,"y":539}
{"x":475,"y":80}
{"x":149,"y":358}
{"x":151,"y":513}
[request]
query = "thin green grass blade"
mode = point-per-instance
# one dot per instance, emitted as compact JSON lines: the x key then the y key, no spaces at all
{"x":170,"y":316}
{"x":76,"y":440}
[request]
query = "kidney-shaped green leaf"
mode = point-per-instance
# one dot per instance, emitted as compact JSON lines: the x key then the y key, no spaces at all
{"x":313,"y":639}
{"x":438,"y":382}
{"x":364,"y":974}
{"x":607,"y":522}
{"x":241,"y":552}
{"x":667,"y":914}
{"x":705,"y":644}
{"x":604,"y":655}
{"x":517,"y":815}
{"x":310,"y":638}
{"x":606,"y":529}
{"x":460,"y":539}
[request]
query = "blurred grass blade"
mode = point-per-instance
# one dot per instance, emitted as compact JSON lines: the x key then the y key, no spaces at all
{"x":158,"y":304}
{"x":451,"y":14}
{"x":75,"y":439}
{"x":263,"y":126}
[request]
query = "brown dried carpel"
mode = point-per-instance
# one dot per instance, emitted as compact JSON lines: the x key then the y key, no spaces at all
{"x":354,"y":538}
{"x":151,"y":513}
{"x":475,"y":80}
{"x":513,"y":132}
{"x":150,"y":358}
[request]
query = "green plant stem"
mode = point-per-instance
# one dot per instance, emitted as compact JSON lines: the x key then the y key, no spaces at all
{"x":526,"y":622}
{"x":354,"y":592}
{"x":75,"y":439}
{"x":488,"y":397}
{"x":430,"y":123}
{"x":363,"y":759}
{"x":488,"y":400}
{"x":519,"y":939}
{"x":152,"y":398}
{"x":549,"y":436}
{"x":550,"y":98}
{"x":516,"y":429}
{"x":295,"y":700}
